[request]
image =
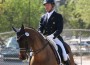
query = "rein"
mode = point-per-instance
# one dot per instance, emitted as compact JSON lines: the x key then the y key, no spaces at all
{"x":36,"y":51}
{"x":39,"y":50}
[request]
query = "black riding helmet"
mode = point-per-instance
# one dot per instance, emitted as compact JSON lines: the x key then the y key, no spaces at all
{"x":48,"y":1}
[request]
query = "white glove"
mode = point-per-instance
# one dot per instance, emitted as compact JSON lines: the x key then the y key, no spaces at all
{"x":50,"y":36}
{"x":50,"y":39}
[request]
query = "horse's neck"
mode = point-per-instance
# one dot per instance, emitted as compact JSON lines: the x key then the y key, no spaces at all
{"x":45,"y":56}
{"x":39,"y":43}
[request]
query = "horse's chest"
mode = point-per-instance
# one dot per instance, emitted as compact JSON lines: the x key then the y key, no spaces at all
{"x":44,"y":63}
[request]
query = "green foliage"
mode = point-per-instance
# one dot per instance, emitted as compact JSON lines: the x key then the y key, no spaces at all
{"x":36,"y":10}
{"x":18,"y":12}
{"x":76,"y":13}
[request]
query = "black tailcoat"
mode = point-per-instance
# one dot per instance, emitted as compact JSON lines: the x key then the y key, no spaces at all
{"x":54,"y":25}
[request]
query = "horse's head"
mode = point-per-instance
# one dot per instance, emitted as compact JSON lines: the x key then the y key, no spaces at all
{"x":25,"y":39}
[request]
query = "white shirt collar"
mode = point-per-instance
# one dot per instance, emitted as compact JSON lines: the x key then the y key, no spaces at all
{"x":50,"y":13}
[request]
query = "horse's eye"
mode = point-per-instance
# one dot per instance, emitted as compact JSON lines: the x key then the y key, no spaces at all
{"x":17,"y":40}
{"x":17,"y":36}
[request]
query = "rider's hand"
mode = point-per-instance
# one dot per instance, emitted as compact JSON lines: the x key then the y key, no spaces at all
{"x":50,"y":36}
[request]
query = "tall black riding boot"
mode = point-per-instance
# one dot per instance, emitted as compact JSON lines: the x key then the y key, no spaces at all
{"x":67,"y":62}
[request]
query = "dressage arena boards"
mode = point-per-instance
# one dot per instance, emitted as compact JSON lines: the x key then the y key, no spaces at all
{"x":84,"y":60}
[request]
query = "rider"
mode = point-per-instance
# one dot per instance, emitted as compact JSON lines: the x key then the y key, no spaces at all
{"x":51,"y":25}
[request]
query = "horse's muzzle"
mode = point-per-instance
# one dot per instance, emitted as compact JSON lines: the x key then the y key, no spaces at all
{"x":22,"y":56}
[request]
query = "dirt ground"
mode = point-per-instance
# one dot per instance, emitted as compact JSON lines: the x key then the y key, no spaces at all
{"x":82,"y":60}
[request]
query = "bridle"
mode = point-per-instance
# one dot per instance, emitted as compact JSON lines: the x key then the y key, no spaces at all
{"x":28,"y":50}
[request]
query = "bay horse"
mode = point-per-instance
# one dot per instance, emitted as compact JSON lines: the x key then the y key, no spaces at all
{"x":29,"y":38}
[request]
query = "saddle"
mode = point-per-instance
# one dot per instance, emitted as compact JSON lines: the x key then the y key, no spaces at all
{"x":55,"y":53}
{"x":59,"y":60}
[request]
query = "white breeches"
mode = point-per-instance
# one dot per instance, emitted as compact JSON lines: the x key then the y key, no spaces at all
{"x":57,"y":41}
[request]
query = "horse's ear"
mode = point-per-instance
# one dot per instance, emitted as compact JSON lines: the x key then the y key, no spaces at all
{"x":14,"y":29}
{"x":22,"y":28}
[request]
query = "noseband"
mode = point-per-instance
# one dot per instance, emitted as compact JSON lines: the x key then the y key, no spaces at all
{"x":28,"y":50}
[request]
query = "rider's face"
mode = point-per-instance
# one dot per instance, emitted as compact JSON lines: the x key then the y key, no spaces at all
{"x":48,"y":7}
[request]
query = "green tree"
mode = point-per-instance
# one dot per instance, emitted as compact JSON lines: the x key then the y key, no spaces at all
{"x":18,"y":12}
{"x":76,"y":13}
